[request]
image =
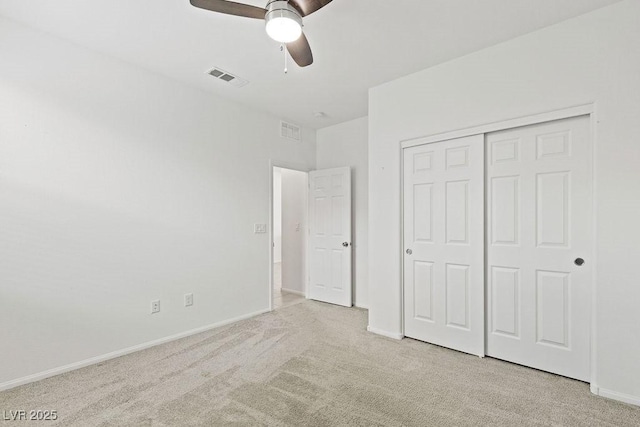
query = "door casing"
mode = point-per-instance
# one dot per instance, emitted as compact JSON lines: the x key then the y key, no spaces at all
{"x":300,"y":168}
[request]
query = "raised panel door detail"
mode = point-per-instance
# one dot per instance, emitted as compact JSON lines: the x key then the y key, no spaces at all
{"x":457,"y":157}
{"x":336,"y":269}
{"x":422,"y":162}
{"x":337,"y":205}
{"x":505,"y":210}
{"x":552,"y":308}
{"x":552,"y":213}
{"x":322,"y":207}
{"x":557,"y":144}
{"x":423,"y":290}
{"x":321,"y":183}
{"x":457,"y":212}
{"x":336,"y":181}
{"x":422,"y":212}
{"x":505,"y":304}
{"x":320,"y":261}
{"x":505,"y":151}
{"x":457,"y":295}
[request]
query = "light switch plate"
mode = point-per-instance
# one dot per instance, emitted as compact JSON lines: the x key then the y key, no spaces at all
{"x":259,"y":228}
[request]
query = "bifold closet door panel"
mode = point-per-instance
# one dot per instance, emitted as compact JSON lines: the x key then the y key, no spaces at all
{"x":539,"y":232}
{"x":444,"y":243}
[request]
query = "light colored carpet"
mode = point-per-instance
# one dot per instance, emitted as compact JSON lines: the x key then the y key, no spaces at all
{"x":312,"y":364}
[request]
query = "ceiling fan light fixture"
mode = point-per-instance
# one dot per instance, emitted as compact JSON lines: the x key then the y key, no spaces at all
{"x":283,"y":22}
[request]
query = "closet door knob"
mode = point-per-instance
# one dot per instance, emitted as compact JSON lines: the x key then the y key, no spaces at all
{"x":409,"y":251}
{"x":578,"y":262}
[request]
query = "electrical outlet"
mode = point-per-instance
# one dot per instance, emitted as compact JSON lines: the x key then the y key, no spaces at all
{"x":259,"y":228}
{"x":155,"y":306}
{"x":188,"y":300}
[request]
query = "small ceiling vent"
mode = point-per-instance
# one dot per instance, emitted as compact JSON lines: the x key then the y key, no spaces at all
{"x":287,"y":130}
{"x":225,"y":76}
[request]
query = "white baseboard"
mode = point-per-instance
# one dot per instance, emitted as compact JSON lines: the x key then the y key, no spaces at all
{"x":395,"y":336}
{"x":98,"y":359}
{"x":614,"y":395}
{"x":291,"y":291}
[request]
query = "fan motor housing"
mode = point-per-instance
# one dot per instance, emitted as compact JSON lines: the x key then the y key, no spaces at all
{"x":280,"y":14}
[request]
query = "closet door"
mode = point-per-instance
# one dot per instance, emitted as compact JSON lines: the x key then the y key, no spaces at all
{"x":444,"y":243}
{"x":539,"y":245}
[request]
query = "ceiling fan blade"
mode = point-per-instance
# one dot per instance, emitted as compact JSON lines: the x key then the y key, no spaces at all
{"x":230,"y":8}
{"x":307,"y":7}
{"x":300,"y":51}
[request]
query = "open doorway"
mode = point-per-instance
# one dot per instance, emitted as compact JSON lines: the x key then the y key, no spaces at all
{"x":289,"y":225}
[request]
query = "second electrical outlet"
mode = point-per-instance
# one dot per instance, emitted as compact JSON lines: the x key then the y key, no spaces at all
{"x":188,"y":300}
{"x":155,"y":306}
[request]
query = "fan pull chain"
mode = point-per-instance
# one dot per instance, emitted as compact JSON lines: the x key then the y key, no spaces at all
{"x":284,"y":49}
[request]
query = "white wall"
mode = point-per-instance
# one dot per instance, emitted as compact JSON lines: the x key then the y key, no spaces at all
{"x":294,"y":224}
{"x":277,"y":215}
{"x":593,"y":58}
{"x":346,"y":144}
{"x":117,"y":187}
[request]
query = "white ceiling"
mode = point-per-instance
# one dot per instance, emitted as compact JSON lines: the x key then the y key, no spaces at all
{"x":357,"y":44}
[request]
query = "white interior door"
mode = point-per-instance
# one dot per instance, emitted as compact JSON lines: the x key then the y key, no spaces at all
{"x":330,"y":236}
{"x":444,"y":243}
{"x":539,"y":211}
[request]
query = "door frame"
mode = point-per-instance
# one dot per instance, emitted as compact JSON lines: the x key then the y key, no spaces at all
{"x":589,"y":110}
{"x":300,"y":168}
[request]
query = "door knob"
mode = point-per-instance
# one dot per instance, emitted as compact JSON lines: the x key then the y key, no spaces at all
{"x":345,"y":244}
{"x":578,"y":262}
{"x":409,"y":251}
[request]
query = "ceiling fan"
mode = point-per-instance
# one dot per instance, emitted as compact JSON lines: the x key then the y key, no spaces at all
{"x":283,"y":21}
